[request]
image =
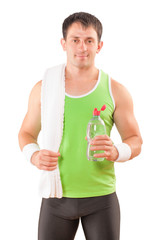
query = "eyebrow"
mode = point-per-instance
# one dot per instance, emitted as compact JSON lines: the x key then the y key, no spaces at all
{"x":72,"y":36}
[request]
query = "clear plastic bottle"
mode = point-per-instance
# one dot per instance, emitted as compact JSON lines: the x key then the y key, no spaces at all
{"x":96,"y":126}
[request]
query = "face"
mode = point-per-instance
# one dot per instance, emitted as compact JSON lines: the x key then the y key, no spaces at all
{"x":81,"y":45}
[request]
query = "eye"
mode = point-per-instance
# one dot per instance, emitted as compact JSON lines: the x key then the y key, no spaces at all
{"x":75,"y":40}
{"x":90,"y":41}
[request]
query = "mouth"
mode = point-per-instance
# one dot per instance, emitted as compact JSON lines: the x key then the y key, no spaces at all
{"x":81,"y":56}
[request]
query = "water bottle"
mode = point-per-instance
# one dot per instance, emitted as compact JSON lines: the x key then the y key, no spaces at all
{"x":96,"y":126}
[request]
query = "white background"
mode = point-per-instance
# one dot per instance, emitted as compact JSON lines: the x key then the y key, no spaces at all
{"x":30,"y":43}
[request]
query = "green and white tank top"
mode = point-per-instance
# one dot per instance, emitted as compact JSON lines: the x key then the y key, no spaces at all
{"x":80,"y":177}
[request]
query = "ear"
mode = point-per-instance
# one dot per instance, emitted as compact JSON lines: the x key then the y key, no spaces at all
{"x":63,"y":43}
{"x":100,"y":45}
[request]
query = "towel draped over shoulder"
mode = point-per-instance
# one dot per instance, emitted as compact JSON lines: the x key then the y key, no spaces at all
{"x":52,"y":117}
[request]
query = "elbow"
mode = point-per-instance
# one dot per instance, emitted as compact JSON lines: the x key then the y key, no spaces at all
{"x":141,"y":143}
{"x":136,"y":147}
{"x":20,"y":135}
{"x":141,"y":140}
{"x":139,"y":148}
{"x":20,"y":139}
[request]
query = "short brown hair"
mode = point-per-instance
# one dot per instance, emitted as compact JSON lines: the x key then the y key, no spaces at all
{"x":85,"y":19}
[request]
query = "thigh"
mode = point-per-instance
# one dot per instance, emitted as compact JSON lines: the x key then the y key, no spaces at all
{"x":52,"y":227}
{"x":104,"y":223}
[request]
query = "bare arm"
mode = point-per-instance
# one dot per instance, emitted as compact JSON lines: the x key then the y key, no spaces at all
{"x":31,"y":124}
{"x":29,"y":131}
{"x":125,"y":120}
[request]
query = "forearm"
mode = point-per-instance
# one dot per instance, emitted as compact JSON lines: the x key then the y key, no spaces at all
{"x":25,"y":138}
{"x":135,"y":143}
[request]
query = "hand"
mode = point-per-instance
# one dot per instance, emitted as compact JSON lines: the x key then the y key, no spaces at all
{"x":45,"y":160}
{"x":103,"y":142}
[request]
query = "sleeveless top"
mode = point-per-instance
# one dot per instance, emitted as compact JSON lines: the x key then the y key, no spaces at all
{"x":79,"y":176}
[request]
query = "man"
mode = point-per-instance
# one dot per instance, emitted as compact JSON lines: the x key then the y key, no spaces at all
{"x":88,"y":187}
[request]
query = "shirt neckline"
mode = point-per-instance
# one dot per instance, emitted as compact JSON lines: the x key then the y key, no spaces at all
{"x":86,"y":94}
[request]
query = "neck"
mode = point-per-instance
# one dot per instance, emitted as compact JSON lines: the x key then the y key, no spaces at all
{"x":73,"y":73}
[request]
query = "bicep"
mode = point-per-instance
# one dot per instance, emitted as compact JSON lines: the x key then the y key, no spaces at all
{"x":124,"y":117}
{"x":32,"y":121}
{"x":126,"y":124}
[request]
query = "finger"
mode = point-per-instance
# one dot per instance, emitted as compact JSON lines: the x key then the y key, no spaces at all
{"x":105,"y":148}
{"x":100,"y":137}
{"x":48,"y":164}
{"x":100,"y":155}
{"x":101,"y":142}
{"x":106,"y":155}
{"x":50,"y":153}
{"x":46,"y":158}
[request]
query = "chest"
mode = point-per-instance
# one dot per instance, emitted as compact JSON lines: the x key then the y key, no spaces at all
{"x":76,"y":88}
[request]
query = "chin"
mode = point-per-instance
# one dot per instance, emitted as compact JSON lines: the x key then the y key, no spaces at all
{"x":81,"y":64}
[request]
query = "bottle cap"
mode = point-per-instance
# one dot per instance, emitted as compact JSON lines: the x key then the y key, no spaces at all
{"x":97,"y":113}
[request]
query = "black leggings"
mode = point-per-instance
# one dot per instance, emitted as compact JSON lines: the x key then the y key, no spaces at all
{"x":100,"y":218}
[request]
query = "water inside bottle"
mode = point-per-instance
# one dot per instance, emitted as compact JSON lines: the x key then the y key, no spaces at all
{"x":94,"y":130}
{"x":95,"y":127}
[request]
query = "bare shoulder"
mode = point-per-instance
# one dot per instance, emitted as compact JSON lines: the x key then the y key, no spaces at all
{"x":121,"y":94}
{"x":35,"y":95}
{"x":37,"y":87}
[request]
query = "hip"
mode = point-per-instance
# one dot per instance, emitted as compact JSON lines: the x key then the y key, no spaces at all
{"x":72,"y":208}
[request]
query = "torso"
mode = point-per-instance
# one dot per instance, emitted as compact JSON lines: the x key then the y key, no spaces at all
{"x":97,"y":180}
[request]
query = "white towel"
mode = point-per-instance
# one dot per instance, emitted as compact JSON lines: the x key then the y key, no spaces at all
{"x":52,"y":117}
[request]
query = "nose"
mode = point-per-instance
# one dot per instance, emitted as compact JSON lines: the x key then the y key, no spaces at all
{"x":83,"y":46}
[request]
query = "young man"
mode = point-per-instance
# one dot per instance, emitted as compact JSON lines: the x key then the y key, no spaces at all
{"x":88,"y":187}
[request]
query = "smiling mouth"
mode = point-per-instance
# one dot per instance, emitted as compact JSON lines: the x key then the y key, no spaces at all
{"x":81,"y":56}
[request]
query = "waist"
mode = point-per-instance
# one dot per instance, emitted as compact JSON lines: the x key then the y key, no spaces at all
{"x":73,"y":207}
